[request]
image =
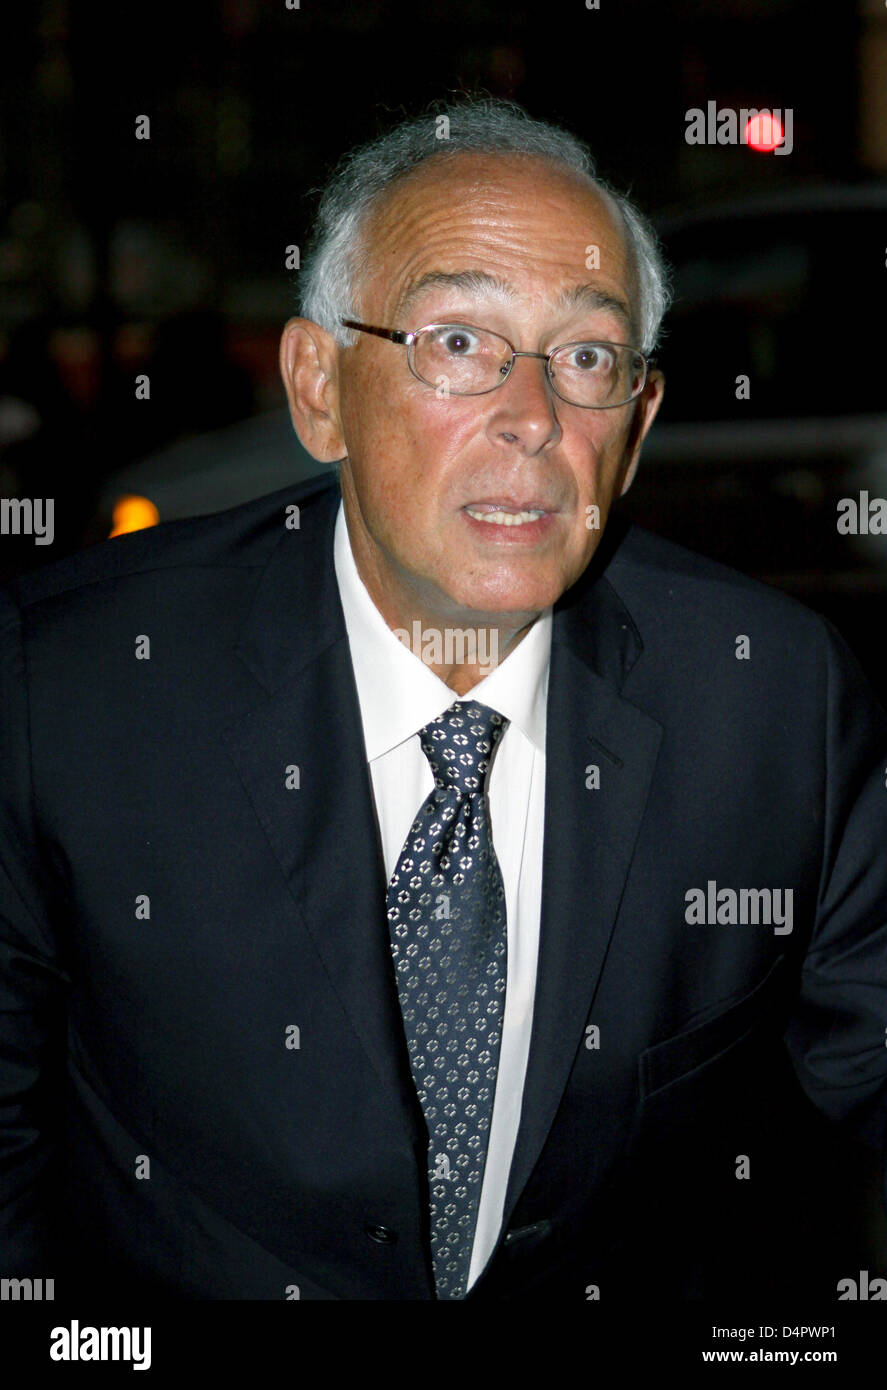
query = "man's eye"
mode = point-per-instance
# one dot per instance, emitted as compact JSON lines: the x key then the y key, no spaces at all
{"x":589,"y":357}
{"x":458,"y":342}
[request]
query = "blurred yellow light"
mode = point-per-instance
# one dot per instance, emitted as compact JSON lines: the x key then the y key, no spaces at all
{"x":133,"y":513}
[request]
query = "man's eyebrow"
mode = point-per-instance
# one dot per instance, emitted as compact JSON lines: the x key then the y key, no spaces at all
{"x":586,"y":296}
{"x":470,"y":281}
{"x":591,"y":297}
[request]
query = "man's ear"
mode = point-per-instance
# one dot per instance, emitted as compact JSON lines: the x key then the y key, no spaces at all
{"x":647,"y":405}
{"x":308,"y":366}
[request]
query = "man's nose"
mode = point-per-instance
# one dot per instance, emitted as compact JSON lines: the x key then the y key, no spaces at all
{"x":525,"y":410}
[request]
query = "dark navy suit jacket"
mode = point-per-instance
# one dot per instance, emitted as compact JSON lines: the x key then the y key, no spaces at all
{"x":173,"y":907}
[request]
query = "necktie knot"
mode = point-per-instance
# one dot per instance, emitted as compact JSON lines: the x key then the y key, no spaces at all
{"x":459,"y":744}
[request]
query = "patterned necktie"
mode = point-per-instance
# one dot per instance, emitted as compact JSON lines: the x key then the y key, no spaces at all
{"x":446,"y":914}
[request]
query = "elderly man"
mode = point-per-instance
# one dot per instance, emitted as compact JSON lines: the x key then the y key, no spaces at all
{"x":450,"y":890}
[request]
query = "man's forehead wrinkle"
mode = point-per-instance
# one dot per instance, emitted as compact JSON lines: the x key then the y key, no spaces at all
{"x":584,"y":296}
{"x":491,"y":190}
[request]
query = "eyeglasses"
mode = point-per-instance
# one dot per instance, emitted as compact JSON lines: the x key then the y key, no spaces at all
{"x":458,"y":359}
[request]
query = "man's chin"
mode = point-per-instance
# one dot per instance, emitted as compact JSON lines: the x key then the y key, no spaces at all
{"x":505,"y":608}
{"x":509,"y":585}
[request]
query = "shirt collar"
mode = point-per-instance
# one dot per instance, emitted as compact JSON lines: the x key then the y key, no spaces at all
{"x":399,"y":694}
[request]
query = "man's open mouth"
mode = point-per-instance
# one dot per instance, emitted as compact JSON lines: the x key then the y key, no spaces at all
{"x":496,"y":515}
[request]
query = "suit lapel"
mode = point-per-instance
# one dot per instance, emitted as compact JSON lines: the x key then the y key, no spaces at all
{"x":589,"y":837}
{"x":324,"y":834}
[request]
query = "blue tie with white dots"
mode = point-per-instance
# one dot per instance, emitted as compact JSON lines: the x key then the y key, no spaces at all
{"x":447,"y":919}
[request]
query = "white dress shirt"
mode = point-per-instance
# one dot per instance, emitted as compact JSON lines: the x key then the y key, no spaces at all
{"x":398,"y":695}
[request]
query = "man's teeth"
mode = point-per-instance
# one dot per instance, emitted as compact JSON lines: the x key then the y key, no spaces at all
{"x":505,"y":518}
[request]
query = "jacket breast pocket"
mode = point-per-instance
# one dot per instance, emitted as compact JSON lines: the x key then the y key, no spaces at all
{"x":713,"y":1039}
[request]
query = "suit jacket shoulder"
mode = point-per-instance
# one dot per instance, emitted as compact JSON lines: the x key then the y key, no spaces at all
{"x":239,"y":537}
{"x":687,"y":588}
{"x":699,"y":624}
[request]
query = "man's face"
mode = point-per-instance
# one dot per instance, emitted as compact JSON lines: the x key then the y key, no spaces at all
{"x":418,"y":462}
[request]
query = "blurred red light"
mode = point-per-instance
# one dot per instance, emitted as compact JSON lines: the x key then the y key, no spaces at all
{"x":764,"y":133}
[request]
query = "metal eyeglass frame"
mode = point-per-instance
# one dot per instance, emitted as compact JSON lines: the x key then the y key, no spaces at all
{"x":407,"y":339}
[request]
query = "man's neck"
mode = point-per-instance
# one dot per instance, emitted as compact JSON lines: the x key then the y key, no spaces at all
{"x":461,"y":657}
{"x":461,"y":646}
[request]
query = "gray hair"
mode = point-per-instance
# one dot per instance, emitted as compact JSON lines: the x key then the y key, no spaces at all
{"x":337,"y":255}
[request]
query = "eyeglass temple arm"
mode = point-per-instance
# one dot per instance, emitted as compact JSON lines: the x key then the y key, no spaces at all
{"x":393,"y":334}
